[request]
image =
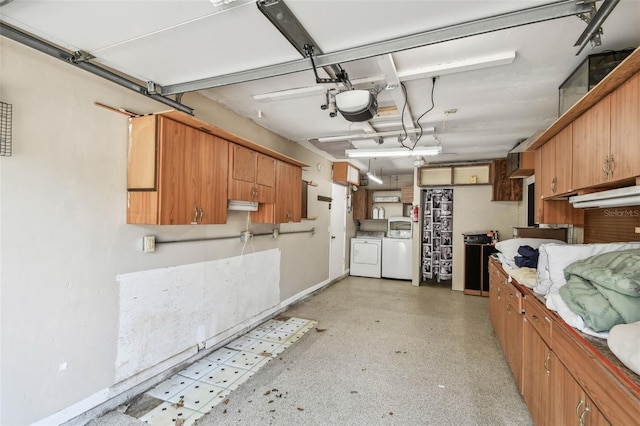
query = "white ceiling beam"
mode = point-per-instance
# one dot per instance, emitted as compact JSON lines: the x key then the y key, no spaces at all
{"x":388,"y":67}
{"x":481,"y":26}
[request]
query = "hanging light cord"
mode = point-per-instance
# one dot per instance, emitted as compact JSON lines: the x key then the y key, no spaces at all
{"x":433,"y":88}
{"x":401,"y":139}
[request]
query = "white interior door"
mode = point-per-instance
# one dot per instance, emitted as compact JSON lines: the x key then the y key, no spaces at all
{"x":337,"y":231}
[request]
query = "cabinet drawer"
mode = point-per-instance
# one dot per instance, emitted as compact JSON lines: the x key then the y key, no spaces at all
{"x":512,"y":295}
{"x":536,"y":314}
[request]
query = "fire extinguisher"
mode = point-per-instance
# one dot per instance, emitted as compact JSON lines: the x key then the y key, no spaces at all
{"x":416,"y":211}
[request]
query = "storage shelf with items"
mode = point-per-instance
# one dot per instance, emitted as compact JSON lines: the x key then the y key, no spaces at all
{"x":456,"y":174}
{"x":385,"y":204}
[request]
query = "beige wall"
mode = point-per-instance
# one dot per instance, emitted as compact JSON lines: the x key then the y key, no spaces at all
{"x":64,"y":238}
{"x":473,"y":211}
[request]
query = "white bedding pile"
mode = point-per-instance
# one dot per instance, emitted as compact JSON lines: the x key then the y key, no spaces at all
{"x":554,"y":257}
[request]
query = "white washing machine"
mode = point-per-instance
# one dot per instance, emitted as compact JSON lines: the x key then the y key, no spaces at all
{"x":366,"y":254}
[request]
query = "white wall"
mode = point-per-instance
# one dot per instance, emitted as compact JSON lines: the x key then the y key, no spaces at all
{"x":64,"y":239}
{"x":473,"y":210}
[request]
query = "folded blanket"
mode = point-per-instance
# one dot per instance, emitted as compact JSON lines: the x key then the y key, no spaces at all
{"x":604,"y":289}
{"x":525,"y":276}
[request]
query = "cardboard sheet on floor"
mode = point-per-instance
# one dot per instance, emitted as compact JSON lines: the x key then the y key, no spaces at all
{"x":166,"y":311}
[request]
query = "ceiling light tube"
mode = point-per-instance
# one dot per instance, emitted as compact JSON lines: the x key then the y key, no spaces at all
{"x":394,"y":152}
{"x":453,"y":67}
{"x":425,"y":130}
{"x":374,"y":178}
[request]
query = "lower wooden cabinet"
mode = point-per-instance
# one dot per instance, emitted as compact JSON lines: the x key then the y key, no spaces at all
{"x":571,"y":405}
{"x":505,"y":310}
{"x":564,"y":380}
{"x":537,"y":375}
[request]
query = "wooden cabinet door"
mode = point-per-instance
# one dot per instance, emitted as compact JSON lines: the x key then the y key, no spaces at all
{"x":547,"y":178}
{"x":177,"y":173}
{"x":536,"y":380}
{"x":625,"y":130}
{"x":513,"y":333}
{"x":591,"y":136}
{"x":360,"y":201}
{"x":213,"y":154}
{"x":571,"y":406}
{"x":539,"y":203}
{"x":265,"y":178}
{"x":494,"y":283}
{"x":563,"y":160}
{"x":242,"y":174}
{"x":296,"y":193}
{"x":288,"y":193}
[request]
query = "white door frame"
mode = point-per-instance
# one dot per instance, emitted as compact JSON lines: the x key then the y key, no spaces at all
{"x":337,"y":231}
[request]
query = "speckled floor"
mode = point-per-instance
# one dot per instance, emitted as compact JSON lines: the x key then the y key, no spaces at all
{"x":383,"y":352}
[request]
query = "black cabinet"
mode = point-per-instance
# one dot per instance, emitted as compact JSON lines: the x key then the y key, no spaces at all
{"x":476,"y":268}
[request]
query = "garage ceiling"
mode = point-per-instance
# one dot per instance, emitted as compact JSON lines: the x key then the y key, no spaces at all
{"x":492,"y":89}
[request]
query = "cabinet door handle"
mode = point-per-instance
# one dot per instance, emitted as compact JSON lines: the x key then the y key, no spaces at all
{"x":554,"y":185}
{"x":546,"y":365}
{"x":605,"y":167}
{"x":584,"y":413}
{"x":612,"y":165}
{"x":201,"y":215}
{"x":535,"y":318}
{"x":195,"y":215}
{"x":579,"y":405}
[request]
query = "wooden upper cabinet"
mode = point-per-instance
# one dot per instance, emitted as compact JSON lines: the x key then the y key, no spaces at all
{"x":288,"y":197}
{"x":552,"y":172}
{"x":289,"y":193}
{"x":625,"y":130}
{"x":345,"y":173}
{"x":591,"y":136}
{"x":251,"y":175}
{"x":504,"y":189}
{"x":189,"y":168}
{"x":361,"y":204}
{"x":554,"y":175}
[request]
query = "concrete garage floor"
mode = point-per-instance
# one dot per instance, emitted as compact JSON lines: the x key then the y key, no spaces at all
{"x":383,"y":352}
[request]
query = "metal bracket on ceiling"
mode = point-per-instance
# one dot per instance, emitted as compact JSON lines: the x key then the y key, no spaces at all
{"x":80,"y":56}
{"x":341,"y":75}
{"x":277,"y":12}
{"x":594,"y":19}
{"x":587,"y":17}
{"x":153,"y":88}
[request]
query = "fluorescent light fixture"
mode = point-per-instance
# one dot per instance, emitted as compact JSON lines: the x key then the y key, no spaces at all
{"x":245,"y":206}
{"x":470,"y":64}
{"x":301,"y":92}
{"x":621,"y":197}
{"x":393,"y":152}
{"x":340,"y":138}
{"x":458,"y":66}
{"x":374,"y":178}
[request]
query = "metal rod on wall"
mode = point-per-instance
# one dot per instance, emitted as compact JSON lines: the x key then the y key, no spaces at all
{"x":274,"y":234}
